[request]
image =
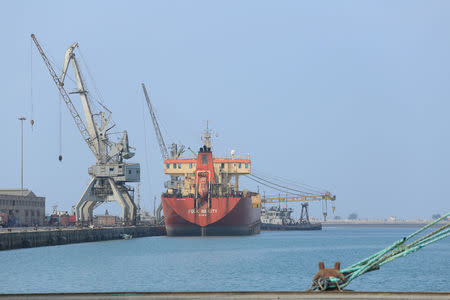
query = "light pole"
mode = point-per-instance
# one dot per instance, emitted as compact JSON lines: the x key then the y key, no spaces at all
{"x":21,"y":156}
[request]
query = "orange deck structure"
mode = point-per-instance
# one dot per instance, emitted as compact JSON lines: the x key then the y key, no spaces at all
{"x":201,"y":200}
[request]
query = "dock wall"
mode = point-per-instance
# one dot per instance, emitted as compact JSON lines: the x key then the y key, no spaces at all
{"x":51,"y":237}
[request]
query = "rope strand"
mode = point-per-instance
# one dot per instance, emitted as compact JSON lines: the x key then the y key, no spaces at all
{"x":396,"y":250}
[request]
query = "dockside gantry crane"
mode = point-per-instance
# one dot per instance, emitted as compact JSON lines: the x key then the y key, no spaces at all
{"x":324,"y":197}
{"x":110,"y":174}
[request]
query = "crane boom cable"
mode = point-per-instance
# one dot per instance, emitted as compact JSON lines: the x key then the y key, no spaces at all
{"x":275,"y":188}
{"x":31,"y":81}
{"x":73,"y":111}
{"x":162,"y":144}
{"x":56,"y":67}
{"x":60,"y":128}
{"x":292,"y":196}
{"x":324,"y":197}
{"x":298,"y":191}
{"x":89,"y":96}
{"x":162,"y":126}
{"x":100,"y":100}
{"x":265,"y":184}
{"x":290,"y":182}
{"x":147,"y":165}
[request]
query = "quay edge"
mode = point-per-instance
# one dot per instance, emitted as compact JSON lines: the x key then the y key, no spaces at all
{"x":235,"y":295}
{"x":51,"y":237}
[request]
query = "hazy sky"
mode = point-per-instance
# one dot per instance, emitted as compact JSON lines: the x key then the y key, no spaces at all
{"x":349,"y":96}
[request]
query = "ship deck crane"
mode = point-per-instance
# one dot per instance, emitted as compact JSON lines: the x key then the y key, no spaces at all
{"x":110,"y":173}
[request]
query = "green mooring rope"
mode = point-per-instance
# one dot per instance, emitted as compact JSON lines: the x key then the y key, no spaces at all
{"x":375,"y":261}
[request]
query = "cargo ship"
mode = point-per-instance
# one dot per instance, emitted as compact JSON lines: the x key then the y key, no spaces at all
{"x":203,"y":196}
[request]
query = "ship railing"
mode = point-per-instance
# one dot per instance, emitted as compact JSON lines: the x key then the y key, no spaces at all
{"x":238,"y":156}
{"x":232,"y":194}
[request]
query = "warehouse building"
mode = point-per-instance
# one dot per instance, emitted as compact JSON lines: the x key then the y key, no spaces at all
{"x":21,"y":208}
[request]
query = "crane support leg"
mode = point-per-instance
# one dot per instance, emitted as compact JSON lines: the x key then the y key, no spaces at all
{"x":88,"y":212}
{"x":84,"y":210}
{"x":86,"y":197}
{"x":119,"y":198}
{"x":124,"y":199}
{"x":132,"y":210}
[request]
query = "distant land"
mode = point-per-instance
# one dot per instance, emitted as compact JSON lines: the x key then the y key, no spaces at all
{"x":379,"y":223}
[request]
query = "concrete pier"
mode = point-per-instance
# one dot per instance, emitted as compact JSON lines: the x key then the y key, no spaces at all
{"x":52,"y":236}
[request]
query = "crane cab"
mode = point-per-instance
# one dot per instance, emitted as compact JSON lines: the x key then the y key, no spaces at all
{"x":121,"y":172}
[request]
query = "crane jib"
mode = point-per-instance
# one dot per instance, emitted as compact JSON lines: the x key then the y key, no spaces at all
{"x":162,"y":145}
{"x":75,"y":115}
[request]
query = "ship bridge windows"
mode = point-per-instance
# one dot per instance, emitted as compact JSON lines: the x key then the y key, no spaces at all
{"x":240,"y":165}
{"x":179,"y":165}
{"x":190,"y":165}
{"x":222,"y":165}
{"x":174,"y":165}
{"x":246,"y":165}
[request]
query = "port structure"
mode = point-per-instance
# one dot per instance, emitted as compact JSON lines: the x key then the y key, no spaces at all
{"x":186,"y":173}
{"x":324,"y":197}
{"x":110,"y":173}
{"x":205,"y":173}
{"x":304,"y":215}
{"x":175,"y":150}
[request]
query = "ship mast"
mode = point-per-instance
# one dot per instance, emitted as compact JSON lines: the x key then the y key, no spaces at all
{"x":207,"y":136}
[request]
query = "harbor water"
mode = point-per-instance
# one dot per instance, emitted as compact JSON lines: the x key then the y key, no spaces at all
{"x":270,"y":261}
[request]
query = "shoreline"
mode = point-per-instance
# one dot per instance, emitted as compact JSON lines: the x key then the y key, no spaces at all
{"x":398,"y":224}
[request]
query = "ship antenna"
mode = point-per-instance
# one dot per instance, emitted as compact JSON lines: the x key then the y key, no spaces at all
{"x":207,"y":136}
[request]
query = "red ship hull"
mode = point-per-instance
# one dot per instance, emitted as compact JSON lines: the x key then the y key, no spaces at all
{"x":232,"y":215}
